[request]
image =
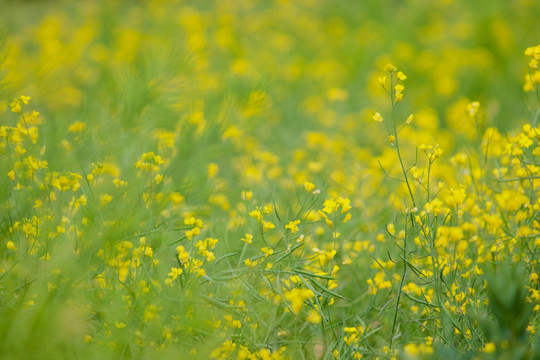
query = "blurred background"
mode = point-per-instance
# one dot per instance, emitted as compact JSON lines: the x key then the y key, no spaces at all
{"x":238,"y":82}
{"x":133,"y":54}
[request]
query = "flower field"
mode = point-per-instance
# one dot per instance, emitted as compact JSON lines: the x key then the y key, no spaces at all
{"x":269,"y":179}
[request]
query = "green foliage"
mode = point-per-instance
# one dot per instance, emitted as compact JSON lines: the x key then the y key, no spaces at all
{"x":255,"y":180}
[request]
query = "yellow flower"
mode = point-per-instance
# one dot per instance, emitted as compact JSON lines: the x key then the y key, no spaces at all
{"x":377,"y":117}
{"x":175,"y":272}
{"x":105,"y":199}
{"x":248,"y":238}
{"x":344,"y":203}
{"x":489,"y":348}
{"x":149,"y":162}
{"x":267,"y":225}
{"x":257,"y":215}
{"x":399,"y":92}
{"x":212,"y":170}
{"x":314,"y":317}
{"x":390,"y":68}
{"x":336,"y":94}
{"x":296,"y":298}
{"x":292,"y":225}
{"x":176,"y":198}
{"x":250,"y":264}
{"x":472,"y":108}
{"x":309,"y":186}
{"x":409,"y":119}
{"x":76,"y":127}
{"x":16,"y":104}
{"x":247,"y":195}
{"x":150,"y":312}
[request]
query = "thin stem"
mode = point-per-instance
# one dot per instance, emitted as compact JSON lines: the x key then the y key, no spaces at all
{"x":396,"y":140}
{"x":400,"y":289}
